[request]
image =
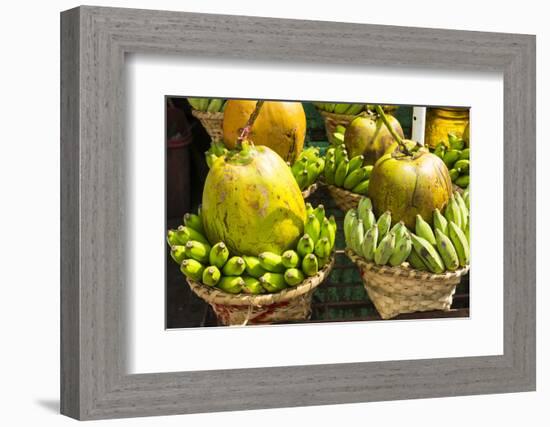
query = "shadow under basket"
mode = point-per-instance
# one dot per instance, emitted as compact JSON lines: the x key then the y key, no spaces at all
{"x":344,"y":199}
{"x":332,"y":120}
{"x":290,"y":304}
{"x":398,"y":290}
{"x":212,"y":122}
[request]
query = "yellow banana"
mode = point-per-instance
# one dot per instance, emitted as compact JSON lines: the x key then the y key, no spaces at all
{"x":424,"y":230}
{"x":219,"y":254}
{"x":415,"y":261}
{"x":290,"y":259}
{"x":252,"y":286}
{"x":253,"y":267}
{"x":211,"y":275}
{"x":293,"y":277}
{"x":440,"y":222}
{"x":178,"y":253}
{"x":460,"y":242}
{"x":312,"y":227}
{"x":273,"y":282}
{"x":368,"y":247}
{"x":428,"y":254}
{"x":234,"y":266}
{"x":446,"y":250}
{"x":357,"y":236}
{"x":197,"y":250}
{"x":271,"y":262}
{"x":192,"y":269}
{"x":463,"y":210}
{"x":401,"y":252}
{"x":184,"y":234}
{"x":310,"y":265}
{"x":305,"y":245}
{"x":384,"y":223}
{"x":231,"y":284}
{"x":361,"y":188}
{"x":385,"y":249}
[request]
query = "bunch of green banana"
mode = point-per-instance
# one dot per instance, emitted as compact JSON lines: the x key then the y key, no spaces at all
{"x":210,"y":105}
{"x":339,"y":133}
{"x":268,"y":272}
{"x":445,"y":246}
{"x":349,"y":174}
{"x":457,"y":158}
{"x":307,"y":167}
{"x":374,"y":239}
{"x":346,"y":108}
{"x":217,"y":149}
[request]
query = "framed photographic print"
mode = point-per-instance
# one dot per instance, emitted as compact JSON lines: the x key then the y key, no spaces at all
{"x":284,"y":213}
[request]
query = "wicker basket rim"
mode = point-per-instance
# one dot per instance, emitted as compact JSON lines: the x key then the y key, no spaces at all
{"x":216,"y":296}
{"x":343,"y":192}
{"x":405,"y":272}
{"x":207,"y":115}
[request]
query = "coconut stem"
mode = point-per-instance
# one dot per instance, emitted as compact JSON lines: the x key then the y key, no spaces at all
{"x":392,"y":131}
{"x":248,"y":127}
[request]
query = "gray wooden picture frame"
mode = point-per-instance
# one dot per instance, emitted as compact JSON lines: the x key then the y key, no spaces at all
{"x":94,"y":41}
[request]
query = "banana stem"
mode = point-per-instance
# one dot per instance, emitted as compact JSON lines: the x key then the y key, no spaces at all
{"x":392,"y":131}
{"x":248,"y":127}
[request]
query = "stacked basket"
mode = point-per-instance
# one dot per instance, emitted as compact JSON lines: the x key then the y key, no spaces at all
{"x":212,"y":122}
{"x":332,"y":120}
{"x":209,"y":111}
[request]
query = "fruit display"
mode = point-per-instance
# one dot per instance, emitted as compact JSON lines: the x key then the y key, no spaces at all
{"x":367,"y":135}
{"x":281,"y":126}
{"x":443,"y":247}
{"x":349,"y":174}
{"x":456,"y":156}
{"x":347,"y":109}
{"x":208,"y":105}
{"x":255,"y":252}
{"x":219,"y":265}
{"x":308,"y":167}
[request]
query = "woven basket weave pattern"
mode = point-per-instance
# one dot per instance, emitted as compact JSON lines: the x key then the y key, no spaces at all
{"x":397,"y":290}
{"x":332,"y":120}
{"x":344,"y":199}
{"x":212,"y":122}
{"x":290,"y":304}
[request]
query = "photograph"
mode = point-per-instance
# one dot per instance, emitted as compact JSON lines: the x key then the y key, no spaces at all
{"x":299,"y":211}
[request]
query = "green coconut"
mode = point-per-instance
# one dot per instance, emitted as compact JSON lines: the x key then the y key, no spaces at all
{"x":368,"y":136}
{"x":252,"y":202}
{"x":407,"y":185}
{"x":408,"y":180}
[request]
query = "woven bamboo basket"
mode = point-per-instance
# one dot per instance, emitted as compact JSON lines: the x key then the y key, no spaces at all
{"x":397,"y":290}
{"x":343,"y":198}
{"x":310,"y":190}
{"x":332,"y":120}
{"x":212,"y":122}
{"x":293,"y":303}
